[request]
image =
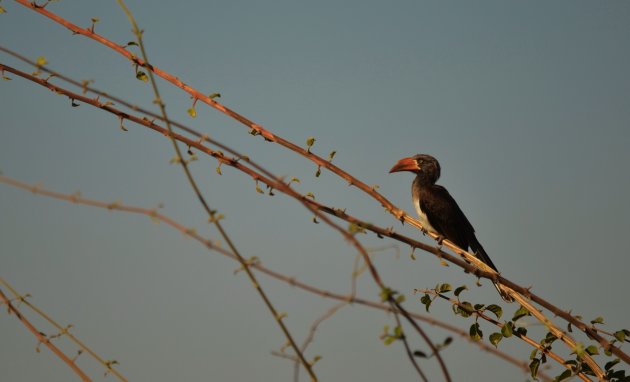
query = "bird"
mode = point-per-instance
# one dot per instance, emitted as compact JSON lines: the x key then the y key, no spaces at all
{"x":439,"y":212}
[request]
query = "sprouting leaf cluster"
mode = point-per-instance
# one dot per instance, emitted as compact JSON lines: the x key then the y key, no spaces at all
{"x":388,"y":294}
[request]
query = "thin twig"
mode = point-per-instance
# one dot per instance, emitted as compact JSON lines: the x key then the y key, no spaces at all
{"x":81,"y":345}
{"x":43,"y":339}
{"x":311,"y":334}
{"x":158,"y":217}
{"x":500,"y":325}
{"x":390,"y":207}
{"x":410,"y":355}
{"x":311,"y":205}
{"x":236,"y":164}
{"x":397,"y":212}
{"x":306,"y":201}
{"x":200,"y":197}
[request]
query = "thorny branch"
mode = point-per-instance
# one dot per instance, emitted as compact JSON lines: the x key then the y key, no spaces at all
{"x":211,"y":213}
{"x":489,"y":274}
{"x":305,"y":200}
{"x":158,"y":217}
{"x":498,"y":324}
{"x":398,"y":213}
{"x":42,"y":338}
{"x":108,"y":365}
{"x":410,"y":355}
{"x":234,"y":162}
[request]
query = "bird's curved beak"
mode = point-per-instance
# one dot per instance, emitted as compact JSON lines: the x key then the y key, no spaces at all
{"x":405,"y":164}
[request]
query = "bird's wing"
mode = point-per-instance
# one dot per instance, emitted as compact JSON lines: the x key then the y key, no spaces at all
{"x":448,"y":219}
{"x":445,"y":215}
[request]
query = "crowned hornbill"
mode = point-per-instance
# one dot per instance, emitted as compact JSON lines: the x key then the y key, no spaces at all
{"x":437,"y":209}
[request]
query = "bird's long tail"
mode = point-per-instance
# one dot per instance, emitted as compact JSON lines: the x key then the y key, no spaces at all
{"x":483,"y":256}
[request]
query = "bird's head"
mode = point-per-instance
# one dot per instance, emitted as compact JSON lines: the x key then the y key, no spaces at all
{"x":423,"y":165}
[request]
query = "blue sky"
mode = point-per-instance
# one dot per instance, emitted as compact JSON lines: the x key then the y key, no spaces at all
{"x":525,"y":104}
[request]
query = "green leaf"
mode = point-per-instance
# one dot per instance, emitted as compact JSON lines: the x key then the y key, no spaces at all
{"x":142,"y":76}
{"x":495,"y":338}
{"x":318,"y":172}
{"x":192,"y":112}
{"x":445,"y":288}
{"x":132,"y":43}
{"x":533,"y":367}
{"x":419,"y":354}
{"x":426,"y":300}
{"x":479,"y":306}
{"x":610,"y":364}
{"x":521,"y":331}
{"x":548,"y":340}
{"x":41,"y":61}
{"x":475,"y":332}
{"x":565,"y":374}
{"x":496,"y":309}
{"x":533,"y":353}
{"x":386,"y":293}
{"x":507,"y":329}
{"x":214,"y":95}
{"x":579,"y":349}
{"x":310,"y":141}
{"x":388,"y":340}
{"x":598,"y":320}
{"x":400,"y":299}
{"x":465,"y":309}
{"x":459,"y":290}
{"x":2,"y":10}
{"x":398,"y":333}
{"x":331,"y":155}
{"x":356,"y":228}
{"x":592,"y":350}
{"x":521,"y":312}
{"x":620,"y":335}
{"x":617,"y":376}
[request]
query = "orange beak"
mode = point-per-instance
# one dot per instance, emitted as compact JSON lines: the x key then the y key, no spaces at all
{"x":405,"y":164}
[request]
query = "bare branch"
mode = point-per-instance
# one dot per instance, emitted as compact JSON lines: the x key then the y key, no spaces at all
{"x":106,"y":364}
{"x":43,"y":339}
{"x":154,"y":215}
{"x":398,"y":213}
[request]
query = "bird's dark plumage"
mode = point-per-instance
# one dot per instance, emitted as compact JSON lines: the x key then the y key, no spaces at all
{"x":437,"y":209}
